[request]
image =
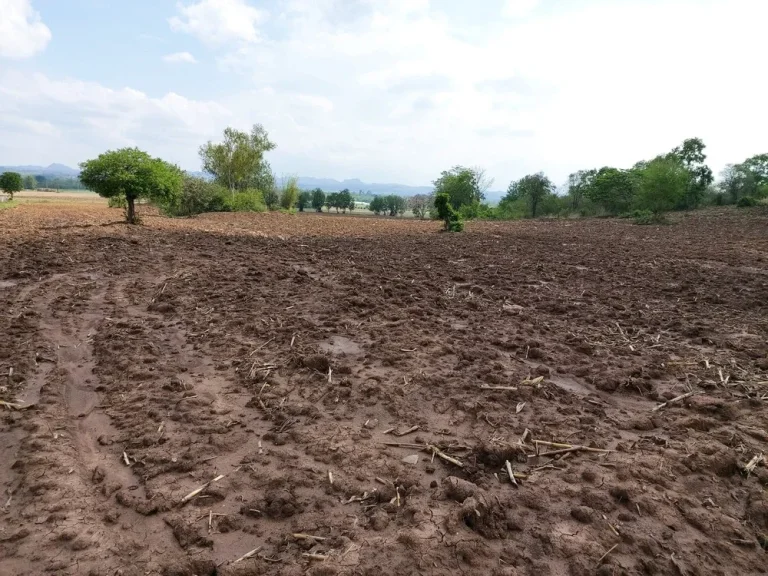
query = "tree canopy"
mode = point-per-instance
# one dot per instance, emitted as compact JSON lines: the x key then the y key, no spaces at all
{"x":533,"y":188}
{"x":11,"y":182}
{"x":464,"y":186}
{"x":132,"y":174}
{"x":238,"y":161}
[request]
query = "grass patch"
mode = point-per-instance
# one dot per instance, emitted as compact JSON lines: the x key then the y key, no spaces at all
{"x":8,"y":204}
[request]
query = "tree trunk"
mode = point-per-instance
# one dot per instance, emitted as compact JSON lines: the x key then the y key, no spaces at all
{"x":130,"y":210}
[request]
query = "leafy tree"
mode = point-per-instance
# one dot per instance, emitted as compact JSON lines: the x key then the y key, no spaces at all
{"x":395,"y":204}
{"x":271,"y":197}
{"x":464,"y":186}
{"x":290,"y":193}
{"x":533,"y":188}
{"x":132,"y":174}
{"x":30,"y":182}
{"x":452,"y":222}
{"x":758,"y":166}
{"x":318,"y":199}
{"x":663,"y":184}
{"x":377,"y":205}
{"x":343,"y":200}
{"x":578,"y":184}
{"x":239,"y":159}
{"x":420,"y":204}
{"x":10,"y":183}
{"x":613,"y":189}
{"x":332,"y":201}
{"x":305,"y":199}
{"x":737,"y":182}
{"x":197,"y":196}
{"x":692,"y":158}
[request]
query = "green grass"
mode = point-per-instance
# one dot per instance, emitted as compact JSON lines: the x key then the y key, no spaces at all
{"x":9,"y":204}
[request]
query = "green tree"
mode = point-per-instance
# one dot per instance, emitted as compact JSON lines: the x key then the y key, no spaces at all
{"x":395,"y":204}
{"x":197,"y":196}
{"x":662,"y":185}
{"x":30,"y":183}
{"x":737,"y":182}
{"x":318,"y":199}
{"x":533,"y":188}
{"x":290,"y":193}
{"x":305,"y":200}
{"x":343,"y":200}
{"x":377,"y":205}
{"x":10,"y":183}
{"x":239,"y":159}
{"x":452,"y":222}
{"x":578,"y":184}
{"x":332,"y":201}
{"x":693,"y":159}
{"x":464,"y":186}
{"x":132,"y":174}
{"x":613,"y":189}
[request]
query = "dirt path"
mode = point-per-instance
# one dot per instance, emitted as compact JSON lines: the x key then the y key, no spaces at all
{"x":299,"y":377}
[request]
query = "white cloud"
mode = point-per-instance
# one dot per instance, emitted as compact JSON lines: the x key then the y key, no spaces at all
{"x":79,"y":120}
{"x":180,"y":57}
{"x":22,"y":33}
{"x":219,"y":21}
{"x":518,"y":8}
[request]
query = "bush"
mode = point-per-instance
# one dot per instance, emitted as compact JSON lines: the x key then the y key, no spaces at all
{"x":289,"y":195}
{"x":646,"y":217}
{"x":271,"y":198}
{"x":746,"y":202}
{"x":248,"y":201}
{"x":452,"y":222}
{"x":198,"y":196}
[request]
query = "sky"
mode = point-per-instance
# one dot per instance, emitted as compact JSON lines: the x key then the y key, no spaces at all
{"x":386,"y":90}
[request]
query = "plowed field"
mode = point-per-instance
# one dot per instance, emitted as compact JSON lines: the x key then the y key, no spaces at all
{"x":312,"y":394}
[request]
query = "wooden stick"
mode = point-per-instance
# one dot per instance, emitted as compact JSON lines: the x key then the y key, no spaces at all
{"x":606,"y":554}
{"x":125,"y":459}
{"x":553,"y":444}
{"x":247,"y":555}
{"x":300,"y":536}
{"x":444,"y":456}
{"x":210,"y":520}
{"x":409,"y":431}
{"x":511,"y":474}
{"x":676,"y":399}
{"x":510,"y":388}
{"x":315,"y":556}
{"x":197,"y":491}
{"x":571,"y":449}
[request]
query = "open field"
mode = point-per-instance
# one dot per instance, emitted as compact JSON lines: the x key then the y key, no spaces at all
{"x":269,"y":359}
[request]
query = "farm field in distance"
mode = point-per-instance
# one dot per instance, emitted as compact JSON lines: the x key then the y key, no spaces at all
{"x":241,"y":394}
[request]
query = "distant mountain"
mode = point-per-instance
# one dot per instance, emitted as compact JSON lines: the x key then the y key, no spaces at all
{"x":52,"y":170}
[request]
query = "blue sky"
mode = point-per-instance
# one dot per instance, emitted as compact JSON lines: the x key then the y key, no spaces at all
{"x":385,"y":90}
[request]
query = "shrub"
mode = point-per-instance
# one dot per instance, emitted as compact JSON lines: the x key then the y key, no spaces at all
{"x":271,"y":198}
{"x":289,"y":195}
{"x":746,"y":202}
{"x":452,"y":222}
{"x":248,"y":201}
{"x":646,"y":217}
{"x":198,"y":196}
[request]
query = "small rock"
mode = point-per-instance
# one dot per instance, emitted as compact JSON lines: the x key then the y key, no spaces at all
{"x":371,"y":424}
{"x":412,"y":459}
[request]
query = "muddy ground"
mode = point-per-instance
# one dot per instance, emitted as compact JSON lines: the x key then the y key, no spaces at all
{"x":188,"y":392}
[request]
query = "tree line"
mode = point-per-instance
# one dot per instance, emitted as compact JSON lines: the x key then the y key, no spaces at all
{"x":242,"y":180}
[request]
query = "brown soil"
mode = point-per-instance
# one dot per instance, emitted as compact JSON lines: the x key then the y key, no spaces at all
{"x":263,"y":359}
